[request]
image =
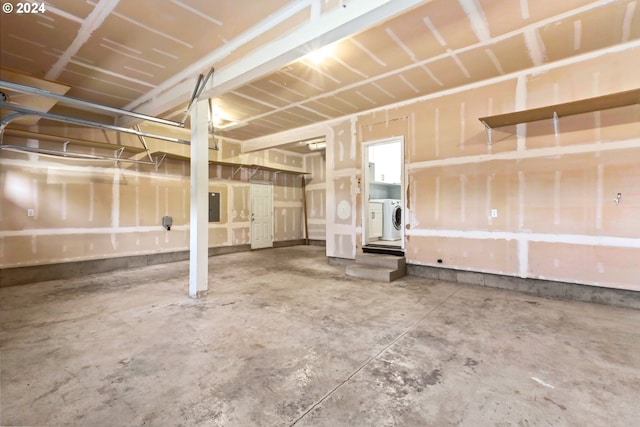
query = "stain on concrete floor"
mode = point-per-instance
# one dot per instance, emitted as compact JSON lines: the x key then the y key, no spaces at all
{"x":284,"y":338}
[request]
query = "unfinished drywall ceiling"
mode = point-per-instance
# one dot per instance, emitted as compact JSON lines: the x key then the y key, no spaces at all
{"x":147,"y":54}
{"x":437,"y":46}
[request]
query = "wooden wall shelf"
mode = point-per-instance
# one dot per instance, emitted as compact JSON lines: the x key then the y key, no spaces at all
{"x":605,"y":102}
{"x":238,"y":166}
{"x":614,"y":100}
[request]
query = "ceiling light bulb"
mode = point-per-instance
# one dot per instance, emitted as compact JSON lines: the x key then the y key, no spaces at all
{"x":216,"y":115}
{"x":319,"y":55}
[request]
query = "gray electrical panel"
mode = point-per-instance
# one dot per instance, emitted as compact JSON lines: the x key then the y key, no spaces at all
{"x":214,"y":207}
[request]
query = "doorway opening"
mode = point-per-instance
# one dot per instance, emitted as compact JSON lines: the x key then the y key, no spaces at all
{"x":383,"y":207}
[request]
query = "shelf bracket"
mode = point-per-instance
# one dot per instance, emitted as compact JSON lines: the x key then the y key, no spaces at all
{"x":489,"y":132}
{"x":117,"y":154}
{"x":254,"y":171}
{"x":235,"y":171}
{"x":144,"y":143}
{"x":159,"y":161}
{"x":555,"y":123}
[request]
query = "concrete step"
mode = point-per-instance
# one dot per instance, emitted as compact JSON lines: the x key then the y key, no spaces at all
{"x":377,"y":260}
{"x":372,"y":272}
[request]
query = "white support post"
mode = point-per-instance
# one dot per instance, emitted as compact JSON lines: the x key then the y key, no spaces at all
{"x":199,"y":242}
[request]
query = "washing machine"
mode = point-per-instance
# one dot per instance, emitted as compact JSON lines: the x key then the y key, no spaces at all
{"x":391,"y":219}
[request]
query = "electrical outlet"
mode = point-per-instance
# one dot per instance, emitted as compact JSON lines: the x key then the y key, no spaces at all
{"x":494,"y":213}
{"x":31,"y":212}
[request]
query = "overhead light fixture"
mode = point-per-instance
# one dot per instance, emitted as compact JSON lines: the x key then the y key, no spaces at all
{"x":319,"y":55}
{"x":315,"y":144}
{"x":219,"y":120}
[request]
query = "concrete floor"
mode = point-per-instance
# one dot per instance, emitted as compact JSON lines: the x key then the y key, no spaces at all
{"x":286,"y":339}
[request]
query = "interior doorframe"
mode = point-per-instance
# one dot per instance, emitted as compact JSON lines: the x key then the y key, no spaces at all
{"x":365,"y":186}
{"x":252,"y":184}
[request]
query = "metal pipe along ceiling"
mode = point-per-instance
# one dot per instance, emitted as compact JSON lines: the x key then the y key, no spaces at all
{"x":89,"y":123}
{"x":81,"y":102}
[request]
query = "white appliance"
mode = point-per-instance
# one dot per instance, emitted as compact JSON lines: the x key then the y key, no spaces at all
{"x":375,"y":220}
{"x":391,"y":219}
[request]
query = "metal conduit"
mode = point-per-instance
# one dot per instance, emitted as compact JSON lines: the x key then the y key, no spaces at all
{"x":89,"y":123}
{"x":81,"y":102}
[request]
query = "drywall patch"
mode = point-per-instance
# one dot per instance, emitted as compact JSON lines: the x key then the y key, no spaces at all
{"x":521,"y":104}
{"x":436,"y":204}
{"x":494,"y":59}
{"x":354,"y":137}
{"x":628,"y":19}
{"x":462,"y":125}
{"x":599,"y":196}
{"x":463,"y":197}
{"x":477,"y":19}
{"x":529,"y":154}
{"x":460,"y":64}
{"x":137,"y":205}
{"x":524,"y":9}
{"x":464,"y":253}
{"x":579,"y":264}
{"x":557,"y":177}
{"x":157,"y":201}
{"x":431,"y":75}
{"x":115,"y":206}
{"x":577,"y":34}
{"x":521,"y":188}
{"x":434,"y":31}
{"x":535,"y":46}
{"x":63,"y":201}
{"x":436,"y":130}
{"x":488,"y":201}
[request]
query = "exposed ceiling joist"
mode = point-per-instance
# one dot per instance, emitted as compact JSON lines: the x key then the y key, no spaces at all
{"x":387,"y":52}
{"x":89,"y":25}
{"x":316,"y":33}
{"x":282,"y":138}
{"x":181,"y":81}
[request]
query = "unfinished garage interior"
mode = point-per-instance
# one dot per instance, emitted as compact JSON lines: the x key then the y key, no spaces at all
{"x":320,"y":212}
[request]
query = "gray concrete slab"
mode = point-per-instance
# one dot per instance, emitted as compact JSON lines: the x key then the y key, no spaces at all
{"x":284,"y":338}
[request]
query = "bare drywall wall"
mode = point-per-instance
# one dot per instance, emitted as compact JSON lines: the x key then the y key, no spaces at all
{"x":288,"y":207}
{"x":342,"y":190}
{"x":56,"y":210}
{"x":541,"y":201}
{"x":315,"y":166}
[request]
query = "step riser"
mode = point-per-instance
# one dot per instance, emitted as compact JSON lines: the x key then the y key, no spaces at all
{"x":380,"y":268}
{"x":387,"y":261}
{"x":378,"y":274}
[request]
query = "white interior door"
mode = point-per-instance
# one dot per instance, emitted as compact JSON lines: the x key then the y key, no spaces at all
{"x":261,"y":216}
